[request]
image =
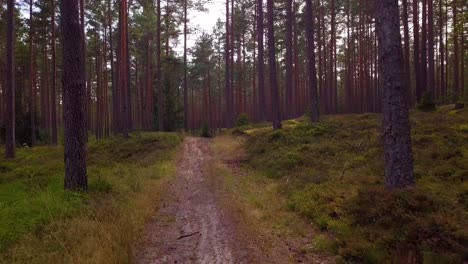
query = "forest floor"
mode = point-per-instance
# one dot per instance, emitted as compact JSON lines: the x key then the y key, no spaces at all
{"x":309,"y":193}
{"x":200,"y":221}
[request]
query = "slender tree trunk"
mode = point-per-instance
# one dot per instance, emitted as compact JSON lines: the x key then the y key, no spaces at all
{"x":227,"y":77}
{"x":289,"y":59}
{"x":416,"y":53}
{"x":254,"y":73}
{"x":123,"y":73}
{"x":73,"y":82}
{"x":333,"y":59}
{"x":53,"y":99}
{"x":112,"y":69}
{"x":406,"y":61}
{"x":158,"y":68}
{"x":312,"y":72}
{"x":186,"y":124}
{"x":83,"y":50}
{"x":32,"y":73}
{"x":10,"y":82}
{"x":275,"y":109}
{"x":424,"y":47}
{"x":396,"y":128}
{"x":261,"y":63}
{"x":430,"y":51}
{"x":98,"y":62}
{"x":442,"y":52}
{"x":456,"y":55}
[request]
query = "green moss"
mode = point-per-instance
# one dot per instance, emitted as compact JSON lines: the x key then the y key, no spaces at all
{"x":31,"y":185}
{"x":325,"y":244}
{"x":332,"y":174}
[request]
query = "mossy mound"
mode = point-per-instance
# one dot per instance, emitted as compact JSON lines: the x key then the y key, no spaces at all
{"x":332,"y":173}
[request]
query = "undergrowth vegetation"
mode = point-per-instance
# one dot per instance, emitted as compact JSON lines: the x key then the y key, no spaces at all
{"x":332,"y":174}
{"x":41,"y":223}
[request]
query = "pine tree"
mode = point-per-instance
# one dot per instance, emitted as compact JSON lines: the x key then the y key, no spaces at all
{"x":73,"y":98}
{"x":396,"y":128}
{"x":10,"y":82}
{"x":275,"y":106}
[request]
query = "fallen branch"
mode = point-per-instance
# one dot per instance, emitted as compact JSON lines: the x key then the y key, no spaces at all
{"x":188,"y":235}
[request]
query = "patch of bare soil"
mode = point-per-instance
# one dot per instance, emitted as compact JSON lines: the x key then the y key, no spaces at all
{"x":191,"y":227}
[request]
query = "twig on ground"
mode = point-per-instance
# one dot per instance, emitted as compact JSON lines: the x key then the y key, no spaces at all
{"x":188,"y":235}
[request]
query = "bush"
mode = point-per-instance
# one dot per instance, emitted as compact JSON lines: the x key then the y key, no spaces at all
{"x":238,"y":132}
{"x":205,"y":132}
{"x":242,"y":120}
{"x":100,"y":185}
{"x":427,"y":103}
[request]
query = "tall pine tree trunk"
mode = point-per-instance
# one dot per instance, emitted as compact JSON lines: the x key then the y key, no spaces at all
{"x":32,"y":73}
{"x":312,"y":71}
{"x":430,"y":51}
{"x":73,"y":82}
{"x":158,"y":68}
{"x":396,"y":128}
{"x":275,"y":106}
{"x":424,"y":47}
{"x":10,"y":82}
{"x":261,"y":63}
{"x":456,"y":54}
{"x":288,"y":104}
{"x":416,"y":52}
{"x":186,"y":123}
{"x":406,"y":61}
{"x":53,"y":99}
{"x":227,"y":77}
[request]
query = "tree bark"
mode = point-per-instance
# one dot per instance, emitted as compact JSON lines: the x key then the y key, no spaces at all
{"x":123,"y":73}
{"x":312,"y":71}
{"x":416,"y":52}
{"x":73,"y":82}
{"x":32,"y":99}
{"x":430,"y":51}
{"x":10,"y":81}
{"x":275,"y":108}
{"x":158,"y":68}
{"x":53,"y":101}
{"x":406,"y":61}
{"x":186,"y":123}
{"x":456,"y":74}
{"x":289,"y":59}
{"x":424,"y":47}
{"x":112,"y":68}
{"x":396,"y":127}
{"x":227,"y":77}
{"x":261,"y":63}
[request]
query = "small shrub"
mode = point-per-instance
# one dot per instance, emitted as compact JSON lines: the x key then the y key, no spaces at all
{"x":242,"y":120}
{"x":205,"y":132}
{"x":101,"y":186}
{"x":324,"y":244}
{"x":463,"y":128}
{"x":238,"y":132}
{"x":427,"y":103}
{"x":459,"y":105}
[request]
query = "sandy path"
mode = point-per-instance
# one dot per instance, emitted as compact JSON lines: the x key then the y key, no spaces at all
{"x":191,"y":227}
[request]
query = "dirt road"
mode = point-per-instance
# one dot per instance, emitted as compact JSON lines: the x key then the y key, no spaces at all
{"x":191,"y":227}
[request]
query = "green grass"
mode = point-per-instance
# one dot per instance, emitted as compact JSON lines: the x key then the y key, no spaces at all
{"x":332,"y":174}
{"x":124,"y":175}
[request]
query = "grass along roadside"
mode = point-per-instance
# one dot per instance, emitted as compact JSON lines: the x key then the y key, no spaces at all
{"x":276,"y":233}
{"x":332,"y":175}
{"x":41,"y":223}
